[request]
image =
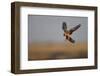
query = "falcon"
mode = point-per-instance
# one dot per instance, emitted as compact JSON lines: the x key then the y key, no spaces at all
{"x":68,"y":33}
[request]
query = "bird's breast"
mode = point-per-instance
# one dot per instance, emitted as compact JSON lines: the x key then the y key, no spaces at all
{"x":66,"y":34}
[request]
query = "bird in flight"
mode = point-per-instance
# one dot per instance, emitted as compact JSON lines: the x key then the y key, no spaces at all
{"x":67,"y":33}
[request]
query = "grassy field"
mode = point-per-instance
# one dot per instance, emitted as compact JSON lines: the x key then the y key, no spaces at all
{"x":48,"y":51}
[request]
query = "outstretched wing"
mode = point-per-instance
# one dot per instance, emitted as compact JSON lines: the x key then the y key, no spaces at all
{"x":64,"y":26}
{"x":70,"y":39}
{"x":74,"y":29}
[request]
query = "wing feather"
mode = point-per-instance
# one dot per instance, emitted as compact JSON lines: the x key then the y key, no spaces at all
{"x":70,"y":39}
{"x":74,"y":29}
{"x":64,"y":26}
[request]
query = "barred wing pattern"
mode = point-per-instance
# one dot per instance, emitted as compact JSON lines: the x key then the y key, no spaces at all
{"x":70,"y":39}
{"x":74,"y":29}
{"x":64,"y":27}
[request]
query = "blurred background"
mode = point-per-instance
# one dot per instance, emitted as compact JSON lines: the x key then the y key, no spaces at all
{"x":46,"y":40}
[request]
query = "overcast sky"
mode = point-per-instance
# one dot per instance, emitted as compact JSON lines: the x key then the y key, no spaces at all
{"x":49,"y":28}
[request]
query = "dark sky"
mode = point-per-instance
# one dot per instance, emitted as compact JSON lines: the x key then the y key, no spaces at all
{"x":49,"y":28}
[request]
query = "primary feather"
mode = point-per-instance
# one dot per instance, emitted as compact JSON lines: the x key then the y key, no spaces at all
{"x":64,"y":27}
{"x":74,"y":28}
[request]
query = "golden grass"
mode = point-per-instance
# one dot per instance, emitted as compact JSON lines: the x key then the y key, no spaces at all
{"x":44,"y":51}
